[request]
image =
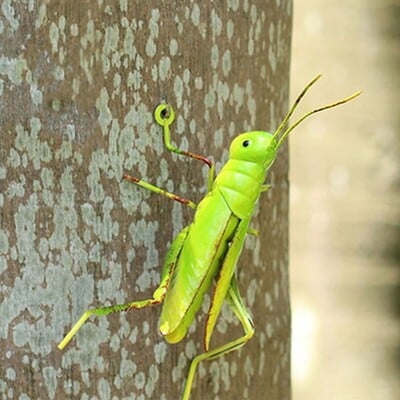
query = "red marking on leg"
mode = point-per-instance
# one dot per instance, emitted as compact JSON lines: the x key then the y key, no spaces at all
{"x":130,"y":178}
{"x":153,"y":302}
{"x":180,"y":199}
{"x":198,"y":157}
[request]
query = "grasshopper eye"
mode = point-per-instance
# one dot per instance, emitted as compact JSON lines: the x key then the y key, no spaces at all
{"x":246,"y":143}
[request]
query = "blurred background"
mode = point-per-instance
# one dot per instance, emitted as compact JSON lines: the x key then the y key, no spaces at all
{"x":345,"y":212}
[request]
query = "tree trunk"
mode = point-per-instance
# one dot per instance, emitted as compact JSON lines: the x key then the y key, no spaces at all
{"x":79,"y":81}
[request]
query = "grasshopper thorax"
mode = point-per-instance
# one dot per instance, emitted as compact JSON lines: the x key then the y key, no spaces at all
{"x":256,"y":146}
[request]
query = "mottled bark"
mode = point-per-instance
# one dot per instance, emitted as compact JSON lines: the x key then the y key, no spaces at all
{"x":78,"y":83}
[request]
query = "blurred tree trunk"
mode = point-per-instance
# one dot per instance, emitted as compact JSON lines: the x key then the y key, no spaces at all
{"x":78,"y":83}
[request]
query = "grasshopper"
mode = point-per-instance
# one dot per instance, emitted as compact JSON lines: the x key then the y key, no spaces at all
{"x":208,"y":249}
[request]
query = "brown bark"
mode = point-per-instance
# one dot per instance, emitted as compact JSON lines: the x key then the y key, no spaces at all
{"x":78,"y":83}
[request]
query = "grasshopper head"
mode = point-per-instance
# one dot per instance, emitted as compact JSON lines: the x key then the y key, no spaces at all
{"x":261,"y":147}
{"x":256,"y":146}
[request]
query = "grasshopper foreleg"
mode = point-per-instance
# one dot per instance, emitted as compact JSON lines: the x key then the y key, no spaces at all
{"x":164,"y":115}
{"x":162,"y":192}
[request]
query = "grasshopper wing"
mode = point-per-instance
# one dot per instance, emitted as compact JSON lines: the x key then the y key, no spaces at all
{"x":201,"y":257}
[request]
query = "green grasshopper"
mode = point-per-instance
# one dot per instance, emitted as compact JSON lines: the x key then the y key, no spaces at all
{"x":208,"y":249}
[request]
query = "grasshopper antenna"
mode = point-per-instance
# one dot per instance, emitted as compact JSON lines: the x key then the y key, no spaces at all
{"x":300,"y":120}
{"x":295,"y":104}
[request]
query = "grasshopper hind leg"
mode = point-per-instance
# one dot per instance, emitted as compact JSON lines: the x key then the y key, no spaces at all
{"x":158,"y":295}
{"x":236,"y":303}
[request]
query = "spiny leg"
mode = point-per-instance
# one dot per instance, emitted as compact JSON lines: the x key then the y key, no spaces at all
{"x":156,"y":189}
{"x":158,"y":295}
{"x":236,"y":303}
{"x":102,"y":311}
{"x":164,"y":115}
